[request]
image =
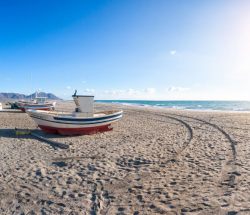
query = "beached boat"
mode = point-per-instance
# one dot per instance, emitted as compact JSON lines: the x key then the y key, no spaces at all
{"x":20,"y":104}
{"x":38,"y":106}
{"x":82,"y":121}
{"x":39,"y":103}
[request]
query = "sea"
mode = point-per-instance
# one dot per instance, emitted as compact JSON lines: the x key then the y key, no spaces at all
{"x":189,"y":105}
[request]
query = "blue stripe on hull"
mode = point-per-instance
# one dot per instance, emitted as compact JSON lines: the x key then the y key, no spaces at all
{"x":70,"y":123}
{"x":38,"y":106}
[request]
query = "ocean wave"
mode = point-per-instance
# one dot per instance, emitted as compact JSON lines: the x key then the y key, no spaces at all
{"x":189,"y":105}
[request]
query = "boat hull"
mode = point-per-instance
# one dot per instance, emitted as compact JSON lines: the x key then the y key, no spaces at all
{"x":66,"y":125}
{"x":76,"y":131}
{"x":47,"y":108}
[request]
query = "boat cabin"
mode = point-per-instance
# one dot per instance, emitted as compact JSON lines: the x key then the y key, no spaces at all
{"x":84,"y":105}
{"x":40,"y":100}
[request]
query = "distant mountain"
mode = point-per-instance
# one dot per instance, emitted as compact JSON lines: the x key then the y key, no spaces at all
{"x":12,"y":96}
{"x":22,"y":96}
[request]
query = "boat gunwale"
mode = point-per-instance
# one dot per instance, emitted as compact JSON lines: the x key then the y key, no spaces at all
{"x":65,"y":115}
{"x":38,"y":105}
{"x":111,"y":119}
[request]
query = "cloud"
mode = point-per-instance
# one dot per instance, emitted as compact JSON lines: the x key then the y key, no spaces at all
{"x":177,"y":89}
{"x":116,"y":92}
{"x":173,"y":52}
{"x":68,"y":87}
{"x":130,"y":93}
{"x":133,"y":92}
{"x":150,"y":90}
{"x":89,"y":90}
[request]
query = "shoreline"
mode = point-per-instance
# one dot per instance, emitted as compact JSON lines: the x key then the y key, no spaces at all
{"x":173,"y":108}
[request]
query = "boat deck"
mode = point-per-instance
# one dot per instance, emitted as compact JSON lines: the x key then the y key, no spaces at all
{"x":75,"y":114}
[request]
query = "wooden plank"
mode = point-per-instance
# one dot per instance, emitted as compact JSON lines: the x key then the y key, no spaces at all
{"x":21,"y":132}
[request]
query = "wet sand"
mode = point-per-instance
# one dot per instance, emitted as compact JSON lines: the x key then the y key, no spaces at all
{"x":155,"y":161}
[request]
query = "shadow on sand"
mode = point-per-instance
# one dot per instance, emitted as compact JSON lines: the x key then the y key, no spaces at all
{"x":11,"y":133}
{"x":36,"y":134}
{"x":6,"y":132}
{"x":11,"y":111}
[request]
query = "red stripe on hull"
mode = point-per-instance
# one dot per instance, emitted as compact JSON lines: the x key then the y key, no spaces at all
{"x":76,"y":131}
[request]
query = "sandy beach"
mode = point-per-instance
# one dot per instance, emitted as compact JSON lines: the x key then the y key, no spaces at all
{"x":155,"y":161}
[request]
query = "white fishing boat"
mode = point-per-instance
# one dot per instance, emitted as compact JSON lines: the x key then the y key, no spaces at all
{"x":38,"y":106}
{"x":39,"y":103}
{"x":82,"y":121}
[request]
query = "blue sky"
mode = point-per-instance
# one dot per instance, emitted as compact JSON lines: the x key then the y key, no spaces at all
{"x":127,"y":49}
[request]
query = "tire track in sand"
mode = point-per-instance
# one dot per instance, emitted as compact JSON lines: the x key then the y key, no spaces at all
{"x":232,"y":172}
{"x":232,"y":142}
{"x":186,"y":142}
{"x":230,"y":169}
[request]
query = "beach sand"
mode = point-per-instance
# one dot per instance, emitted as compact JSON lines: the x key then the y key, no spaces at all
{"x":155,"y":161}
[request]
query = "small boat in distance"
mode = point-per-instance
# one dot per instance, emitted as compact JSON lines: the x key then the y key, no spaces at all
{"x":82,"y":121}
{"x":39,"y":103}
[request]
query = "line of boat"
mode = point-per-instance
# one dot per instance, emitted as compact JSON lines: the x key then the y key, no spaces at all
{"x":39,"y":103}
